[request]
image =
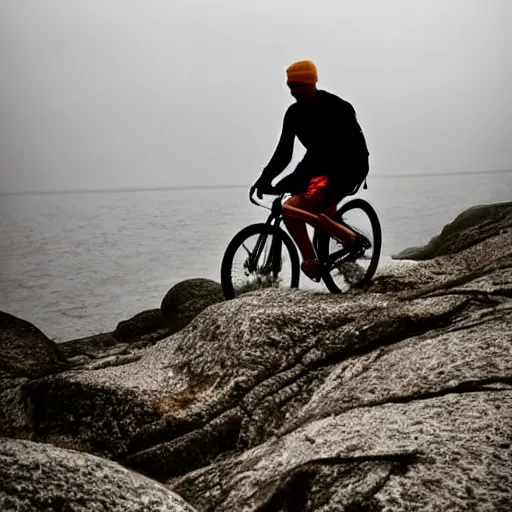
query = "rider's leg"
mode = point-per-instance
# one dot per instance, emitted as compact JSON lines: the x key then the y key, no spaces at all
{"x":311,"y":200}
{"x":298,"y":231}
{"x":297,"y":227}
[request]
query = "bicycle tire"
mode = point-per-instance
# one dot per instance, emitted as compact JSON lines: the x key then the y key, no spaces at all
{"x":322,"y":243}
{"x":237,"y":241}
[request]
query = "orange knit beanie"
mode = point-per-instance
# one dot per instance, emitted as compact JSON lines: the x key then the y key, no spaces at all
{"x":302,"y":71}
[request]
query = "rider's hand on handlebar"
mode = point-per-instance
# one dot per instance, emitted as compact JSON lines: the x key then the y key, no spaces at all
{"x":260,"y":187}
{"x":251,"y":191}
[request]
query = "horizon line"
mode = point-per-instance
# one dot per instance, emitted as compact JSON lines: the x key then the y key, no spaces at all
{"x":203,"y":187}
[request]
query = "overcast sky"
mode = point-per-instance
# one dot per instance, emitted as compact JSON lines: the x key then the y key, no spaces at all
{"x":149,"y":93}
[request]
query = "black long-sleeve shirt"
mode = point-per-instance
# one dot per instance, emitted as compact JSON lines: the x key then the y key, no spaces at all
{"x":327,"y":127}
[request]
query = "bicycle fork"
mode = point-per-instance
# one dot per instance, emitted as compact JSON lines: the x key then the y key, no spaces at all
{"x":273,"y":260}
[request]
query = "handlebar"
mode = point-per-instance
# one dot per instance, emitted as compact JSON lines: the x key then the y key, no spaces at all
{"x":277,"y":205}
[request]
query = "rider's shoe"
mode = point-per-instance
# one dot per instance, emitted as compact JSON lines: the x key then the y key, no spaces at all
{"x":312,"y":269}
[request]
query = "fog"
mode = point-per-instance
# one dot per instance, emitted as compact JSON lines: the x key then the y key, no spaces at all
{"x":109,"y":94}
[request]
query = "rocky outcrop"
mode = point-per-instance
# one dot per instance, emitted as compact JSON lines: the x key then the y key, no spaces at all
{"x":478,"y":259}
{"x":36,"y":476}
{"x":472,"y":226}
{"x":447,"y":452}
{"x":230,"y":351}
{"x":396,"y":397}
{"x":185,"y":300}
{"x":212,"y":409}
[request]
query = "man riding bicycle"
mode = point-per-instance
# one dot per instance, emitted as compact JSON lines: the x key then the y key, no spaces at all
{"x":335,"y":163}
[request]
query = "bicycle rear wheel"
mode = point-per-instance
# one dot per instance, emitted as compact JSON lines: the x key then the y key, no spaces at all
{"x":259,"y":256}
{"x":344,"y":270}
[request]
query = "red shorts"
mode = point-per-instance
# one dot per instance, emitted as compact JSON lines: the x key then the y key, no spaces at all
{"x":314,"y":195}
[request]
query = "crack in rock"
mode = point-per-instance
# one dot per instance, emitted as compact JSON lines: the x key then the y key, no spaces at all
{"x":459,"y":445}
{"x":190,"y":451}
{"x":316,"y":484}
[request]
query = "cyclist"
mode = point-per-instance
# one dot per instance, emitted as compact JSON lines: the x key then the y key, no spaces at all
{"x":336,"y":159}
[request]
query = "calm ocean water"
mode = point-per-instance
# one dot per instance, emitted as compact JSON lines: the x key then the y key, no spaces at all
{"x":76,"y":264}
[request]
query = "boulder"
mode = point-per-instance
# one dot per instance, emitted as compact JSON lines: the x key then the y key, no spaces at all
{"x":185,"y":300}
{"x":36,"y":476}
{"x":25,"y":351}
{"x":472,"y":226}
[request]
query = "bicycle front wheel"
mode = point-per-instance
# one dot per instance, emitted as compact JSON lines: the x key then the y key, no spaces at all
{"x":344,"y":270}
{"x":259,"y":256}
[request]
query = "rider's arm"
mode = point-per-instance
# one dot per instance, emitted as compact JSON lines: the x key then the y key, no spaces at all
{"x":284,"y":151}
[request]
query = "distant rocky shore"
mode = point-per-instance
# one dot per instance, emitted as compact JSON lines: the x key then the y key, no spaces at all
{"x":395,"y":397}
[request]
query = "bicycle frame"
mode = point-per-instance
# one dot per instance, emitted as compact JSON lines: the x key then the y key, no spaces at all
{"x":318,"y":221}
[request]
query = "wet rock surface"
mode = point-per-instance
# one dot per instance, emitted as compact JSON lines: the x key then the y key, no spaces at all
{"x":396,"y":397}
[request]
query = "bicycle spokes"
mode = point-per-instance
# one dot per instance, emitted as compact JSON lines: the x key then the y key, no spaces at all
{"x":259,"y":263}
{"x":346,"y":267}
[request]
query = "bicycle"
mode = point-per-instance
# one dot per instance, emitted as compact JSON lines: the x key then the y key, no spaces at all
{"x":341,"y":269}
